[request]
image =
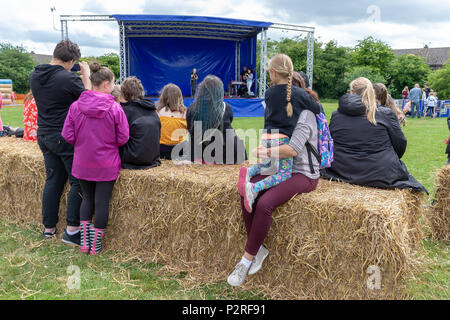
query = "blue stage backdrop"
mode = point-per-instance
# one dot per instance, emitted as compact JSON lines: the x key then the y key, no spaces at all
{"x":160,"y":49}
{"x":158,"y":61}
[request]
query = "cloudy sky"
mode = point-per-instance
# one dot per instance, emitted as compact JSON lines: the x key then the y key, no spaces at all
{"x":402,"y":24}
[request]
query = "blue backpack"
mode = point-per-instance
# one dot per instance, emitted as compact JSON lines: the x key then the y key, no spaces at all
{"x":325,"y":145}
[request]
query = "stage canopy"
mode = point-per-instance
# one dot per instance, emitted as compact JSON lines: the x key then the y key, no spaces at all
{"x":159,"y":49}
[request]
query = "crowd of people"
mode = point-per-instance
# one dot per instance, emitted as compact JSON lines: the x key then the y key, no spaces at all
{"x":413,"y":97}
{"x":88,"y":129}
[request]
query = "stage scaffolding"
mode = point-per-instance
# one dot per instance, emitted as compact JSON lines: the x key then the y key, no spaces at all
{"x":198,"y":30}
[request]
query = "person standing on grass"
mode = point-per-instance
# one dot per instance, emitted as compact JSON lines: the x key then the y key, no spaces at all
{"x":305,"y":174}
{"x":97,"y":126}
{"x":415,"y":95}
{"x":368,"y":142}
{"x":55,"y":88}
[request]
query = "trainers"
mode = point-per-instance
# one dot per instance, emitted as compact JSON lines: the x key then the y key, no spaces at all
{"x":47,"y":235}
{"x":237,"y":277}
{"x":258,"y":260}
{"x":71,"y":239}
{"x":249,"y":197}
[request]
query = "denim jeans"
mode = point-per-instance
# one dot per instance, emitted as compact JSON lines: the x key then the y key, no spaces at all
{"x":415,"y":104}
{"x":58,"y":158}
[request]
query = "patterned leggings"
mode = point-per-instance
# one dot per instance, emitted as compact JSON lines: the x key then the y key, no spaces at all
{"x":283,"y":167}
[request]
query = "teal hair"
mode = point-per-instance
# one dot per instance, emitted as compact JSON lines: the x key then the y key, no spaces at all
{"x":208,"y":105}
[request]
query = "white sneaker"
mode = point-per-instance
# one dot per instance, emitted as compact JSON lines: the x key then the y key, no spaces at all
{"x":249,"y":197}
{"x":258,"y":260}
{"x":237,"y":277}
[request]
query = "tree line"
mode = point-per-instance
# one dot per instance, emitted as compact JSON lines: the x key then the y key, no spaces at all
{"x":334,"y":66}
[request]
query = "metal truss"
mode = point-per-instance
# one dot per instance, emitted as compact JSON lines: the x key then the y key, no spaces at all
{"x":203,"y":30}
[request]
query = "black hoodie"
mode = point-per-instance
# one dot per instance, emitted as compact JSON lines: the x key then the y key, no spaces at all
{"x":54,"y":90}
{"x":367,"y":154}
{"x":142,"y":149}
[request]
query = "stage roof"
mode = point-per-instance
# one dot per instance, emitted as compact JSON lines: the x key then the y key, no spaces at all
{"x":190,"y":26}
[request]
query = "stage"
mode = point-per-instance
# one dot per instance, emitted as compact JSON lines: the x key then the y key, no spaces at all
{"x":242,"y":107}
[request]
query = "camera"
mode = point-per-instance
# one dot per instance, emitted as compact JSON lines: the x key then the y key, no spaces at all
{"x":76,"y":67}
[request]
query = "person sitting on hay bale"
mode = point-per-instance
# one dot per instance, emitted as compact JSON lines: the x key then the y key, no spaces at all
{"x":97,"y":126}
{"x":384,"y":99}
{"x":368,"y":142}
{"x":116,"y":94}
{"x":142,"y":150}
{"x":212,"y":139}
{"x":30,"y":118}
{"x":55,"y":88}
{"x":172,"y":114}
{"x":258,"y":223}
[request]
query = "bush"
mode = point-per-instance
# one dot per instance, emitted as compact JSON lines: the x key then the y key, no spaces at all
{"x":440,"y":81}
{"x":367,"y":72}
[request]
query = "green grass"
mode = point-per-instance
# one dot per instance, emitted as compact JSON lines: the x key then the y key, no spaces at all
{"x":34,"y":269}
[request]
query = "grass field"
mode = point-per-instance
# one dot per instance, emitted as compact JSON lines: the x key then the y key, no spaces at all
{"x":34,"y":269}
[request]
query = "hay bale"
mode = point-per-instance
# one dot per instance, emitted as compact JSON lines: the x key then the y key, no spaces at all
{"x":439,"y":214}
{"x":321,"y":244}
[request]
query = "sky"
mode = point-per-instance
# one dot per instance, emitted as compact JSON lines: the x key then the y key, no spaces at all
{"x":401,"y":24}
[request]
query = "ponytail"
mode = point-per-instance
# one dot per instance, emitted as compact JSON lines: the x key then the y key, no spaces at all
{"x":364,"y":88}
{"x":289,"y":109}
{"x":368,"y":98}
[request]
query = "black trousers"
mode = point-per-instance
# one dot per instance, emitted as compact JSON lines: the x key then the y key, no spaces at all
{"x":58,"y":158}
{"x":96,"y":197}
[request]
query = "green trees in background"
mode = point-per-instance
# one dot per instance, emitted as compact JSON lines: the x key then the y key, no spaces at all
{"x":335,"y":67}
{"x":16,"y":64}
{"x":440,"y":81}
{"x":110,"y":59}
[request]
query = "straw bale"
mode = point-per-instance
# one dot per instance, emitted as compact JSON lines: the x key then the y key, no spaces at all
{"x":189,"y":218}
{"x":439,"y":214}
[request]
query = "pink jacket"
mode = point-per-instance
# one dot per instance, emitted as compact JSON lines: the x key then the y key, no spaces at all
{"x":97,"y":126}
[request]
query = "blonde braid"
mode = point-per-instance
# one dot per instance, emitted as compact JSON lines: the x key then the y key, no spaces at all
{"x":289,"y":110}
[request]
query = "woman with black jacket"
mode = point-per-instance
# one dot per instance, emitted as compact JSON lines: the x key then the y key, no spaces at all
{"x":142,"y":149}
{"x":368,"y":142}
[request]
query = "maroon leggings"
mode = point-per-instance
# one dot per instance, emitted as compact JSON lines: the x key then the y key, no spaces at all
{"x":258,"y":223}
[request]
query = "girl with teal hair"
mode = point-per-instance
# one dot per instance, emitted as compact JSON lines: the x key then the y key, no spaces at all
{"x":210,"y":113}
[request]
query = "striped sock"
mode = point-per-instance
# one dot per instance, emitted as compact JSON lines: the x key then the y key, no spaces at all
{"x":96,"y":236}
{"x":84,"y":236}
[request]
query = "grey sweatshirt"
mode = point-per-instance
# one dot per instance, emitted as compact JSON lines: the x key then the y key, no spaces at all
{"x":305,"y":131}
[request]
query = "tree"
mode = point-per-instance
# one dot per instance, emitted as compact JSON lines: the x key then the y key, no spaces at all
{"x":109,"y":59}
{"x":367,"y":72}
{"x":329,"y":72}
{"x":16,"y":64}
{"x":440,"y":81}
{"x":373,"y":53}
{"x":407,"y":70}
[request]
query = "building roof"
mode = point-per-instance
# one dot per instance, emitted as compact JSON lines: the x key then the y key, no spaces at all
{"x":433,"y":56}
{"x":41,"y":58}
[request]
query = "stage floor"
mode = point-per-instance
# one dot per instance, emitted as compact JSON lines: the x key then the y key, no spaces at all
{"x":242,"y":107}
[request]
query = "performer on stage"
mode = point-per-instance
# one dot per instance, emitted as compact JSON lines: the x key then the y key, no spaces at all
{"x":194,"y":78}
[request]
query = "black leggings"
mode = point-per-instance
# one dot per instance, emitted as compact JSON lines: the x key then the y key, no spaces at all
{"x":96,"y":197}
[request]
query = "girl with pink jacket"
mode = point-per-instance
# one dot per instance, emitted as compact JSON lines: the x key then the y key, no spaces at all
{"x":97,"y":126}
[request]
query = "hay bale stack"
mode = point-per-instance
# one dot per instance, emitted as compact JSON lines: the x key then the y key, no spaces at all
{"x":439,"y":215}
{"x":188,"y":217}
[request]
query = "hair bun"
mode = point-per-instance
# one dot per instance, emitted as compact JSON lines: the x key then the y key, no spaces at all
{"x":95,"y":66}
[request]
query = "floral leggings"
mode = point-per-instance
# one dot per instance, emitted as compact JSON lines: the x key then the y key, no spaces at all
{"x":283,"y":167}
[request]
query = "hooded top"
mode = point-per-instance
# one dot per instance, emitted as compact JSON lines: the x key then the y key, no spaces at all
{"x":96,"y":125}
{"x":142,"y":150}
{"x":275,"y":117}
{"x":54,"y":90}
{"x":367,"y":154}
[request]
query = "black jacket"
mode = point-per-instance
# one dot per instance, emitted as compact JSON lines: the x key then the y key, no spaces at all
{"x":142,"y":149}
{"x":236,"y":155}
{"x":54,"y":90}
{"x":275,"y":117}
{"x":365,"y":154}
